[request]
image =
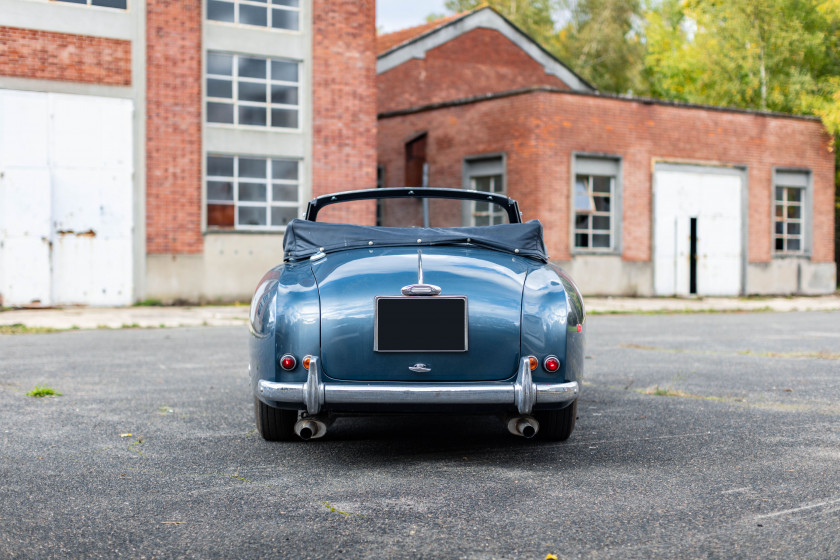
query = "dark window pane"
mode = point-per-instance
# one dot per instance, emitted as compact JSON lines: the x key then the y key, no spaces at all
{"x":220,"y":215}
{"x":284,"y":118}
{"x":780,"y":193}
{"x":481,"y":220}
{"x":282,"y":216}
{"x":252,"y":67}
{"x":793,"y":245}
{"x":291,"y":3}
{"x":221,"y":166}
{"x":601,"y":222}
{"x":219,"y":88}
{"x":602,"y":203}
{"x":581,"y":221}
{"x":601,"y":184}
{"x":252,"y":167}
{"x":121,"y":4}
{"x":287,"y":95}
{"x":249,"y":91}
{"x":219,"y":112}
{"x":780,"y":228}
{"x":253,"y":15}
{"x":252,"y":115}
{"x":252,"y":192}
{"x":221,"y":64}
{"x":794,"y":229}
{"x":795,"y":195}
{"x":284,"y":169}
{"x":219,"y":190}
{"x":780,"y":244}
{"x":780,"y":211}
{"x":220,"y":11}
{"x":284,"y":193}
{"x":284,"y":71}
{"x":600,"y":241}
{"x":581,"y":240}
{"x":284,"y":19}
{"x":252,"y":215}
{"x":794,"y":212}
{"x":481,"y":207}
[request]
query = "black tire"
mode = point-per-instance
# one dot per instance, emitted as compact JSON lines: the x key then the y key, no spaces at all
{"x":274,"y":424}
{"x":557,"y":425}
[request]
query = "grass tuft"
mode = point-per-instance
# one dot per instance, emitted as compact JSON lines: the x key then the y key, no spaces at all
{"x":20,"y":328}
{"x":43,"y":391}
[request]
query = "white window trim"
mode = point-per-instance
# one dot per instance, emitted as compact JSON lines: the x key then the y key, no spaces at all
{"x":806,"y":219}
{"x":616,"y":204}
{"x":270,"y":7}
{"x":236,"y":103}
{"x":268,"y":204}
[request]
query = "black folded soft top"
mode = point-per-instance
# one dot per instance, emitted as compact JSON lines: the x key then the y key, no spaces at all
{"x":306,"y":238}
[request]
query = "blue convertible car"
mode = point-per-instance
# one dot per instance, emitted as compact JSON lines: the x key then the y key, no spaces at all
{"x":361,"y":319}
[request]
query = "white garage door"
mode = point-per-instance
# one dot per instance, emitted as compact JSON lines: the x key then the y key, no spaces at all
{"x":66,"y":217}
{"x":698,"y":227}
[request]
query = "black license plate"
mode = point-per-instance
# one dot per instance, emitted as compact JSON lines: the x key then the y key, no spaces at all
{"x":421,"y":324}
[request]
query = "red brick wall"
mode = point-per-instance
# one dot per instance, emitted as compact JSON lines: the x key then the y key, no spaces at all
{"x":539,"y":132}
{"x":45,"y":55}
{"x":477,"y":62}
{"x":344,"y":103}
{"x":173,"y":127}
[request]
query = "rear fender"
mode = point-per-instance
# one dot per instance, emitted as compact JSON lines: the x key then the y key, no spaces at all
{"x":284,"y":318}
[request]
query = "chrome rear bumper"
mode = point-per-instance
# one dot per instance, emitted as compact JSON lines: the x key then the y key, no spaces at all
{"x":522,"y":393}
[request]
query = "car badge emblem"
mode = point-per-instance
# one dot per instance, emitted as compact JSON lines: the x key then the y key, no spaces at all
{"x":420,"y":288}
{"x":420,"y":368}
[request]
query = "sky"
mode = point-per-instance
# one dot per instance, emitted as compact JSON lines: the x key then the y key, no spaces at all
{"x":392,"y":15}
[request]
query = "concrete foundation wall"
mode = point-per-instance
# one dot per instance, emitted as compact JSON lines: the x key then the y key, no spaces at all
{"x":791,"y":275}
{"x":228,"y":270}
{"x":610,"y":275}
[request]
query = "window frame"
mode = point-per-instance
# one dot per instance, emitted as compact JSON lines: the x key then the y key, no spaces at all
{"x":805,"y":220}
{"x":495,"y":169}
{"x":91,"y":4}
{"x":236,"y":103}
{"x":269,"y":203}
{"x":269,"y":6}
{"x":616,"y":202}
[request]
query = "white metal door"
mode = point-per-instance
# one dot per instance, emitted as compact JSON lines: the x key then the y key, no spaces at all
{"x":65,"y":199}
{"x":712,"y":197}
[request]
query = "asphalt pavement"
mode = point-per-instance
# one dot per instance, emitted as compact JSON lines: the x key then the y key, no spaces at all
{"x":699,"y":436}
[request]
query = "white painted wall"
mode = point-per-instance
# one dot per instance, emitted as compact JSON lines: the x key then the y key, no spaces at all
{"x":714,"y":198}
{"x":66,"y":220}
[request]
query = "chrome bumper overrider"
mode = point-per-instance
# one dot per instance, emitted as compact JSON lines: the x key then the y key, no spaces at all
{"x":523,"y":392}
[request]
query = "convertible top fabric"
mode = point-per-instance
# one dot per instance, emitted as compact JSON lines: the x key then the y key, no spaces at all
{"x":304,"y":238}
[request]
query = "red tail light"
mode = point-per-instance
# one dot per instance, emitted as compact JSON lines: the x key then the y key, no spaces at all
{"x":288,"y":362}
{"x":551,"y":364}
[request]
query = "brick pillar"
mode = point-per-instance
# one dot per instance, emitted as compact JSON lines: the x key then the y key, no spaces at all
{"x":173,"y":127}
{"x":344,"y":103}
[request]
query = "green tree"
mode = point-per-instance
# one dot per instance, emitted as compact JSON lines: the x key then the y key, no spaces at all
{"x":603,"y":42}
{"x":534,"y":17}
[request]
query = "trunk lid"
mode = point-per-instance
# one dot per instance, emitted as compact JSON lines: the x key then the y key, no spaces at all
{"x":350,"y":281}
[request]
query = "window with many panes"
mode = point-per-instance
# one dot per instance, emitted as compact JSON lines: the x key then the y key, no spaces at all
{"x":595,"y":202}
{"x":486,"y":174}
{"x":276,"y":14}
{"x":252,"y":91}
{"x":251,"y":193}
{"x":120,"y":4}
{"x":789,"y":211}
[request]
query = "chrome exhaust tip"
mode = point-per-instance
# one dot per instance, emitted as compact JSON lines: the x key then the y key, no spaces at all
{"x":309,"y":428}
{"x":525,"y":426}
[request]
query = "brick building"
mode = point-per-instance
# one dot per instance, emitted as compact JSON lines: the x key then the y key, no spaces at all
{"x":637,"y":196}
{"x":156,"y":149}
